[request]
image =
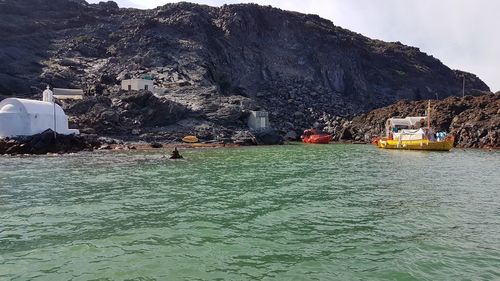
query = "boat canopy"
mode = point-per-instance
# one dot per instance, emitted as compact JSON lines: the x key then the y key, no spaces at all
{"x":416,"y":120}
{"x":404,"y":123}
{"x":396,"y":124}
{"x":400,"y":123}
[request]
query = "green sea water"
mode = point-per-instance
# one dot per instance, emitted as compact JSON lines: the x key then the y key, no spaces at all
{"x":294,"y":212}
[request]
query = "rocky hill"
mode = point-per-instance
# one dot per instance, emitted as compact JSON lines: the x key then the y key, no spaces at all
{"x":474,"y":121}
{"x":215,"y":62}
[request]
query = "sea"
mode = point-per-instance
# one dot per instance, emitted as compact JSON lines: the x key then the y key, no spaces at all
{"x":291,"y":212}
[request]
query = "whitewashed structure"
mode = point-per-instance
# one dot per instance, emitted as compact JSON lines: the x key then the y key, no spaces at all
{"x":137,"y":84}
{"x":48,"y":95}
{"x":258,"y":120}
{"x":68,"y":94}
{"x":404,"y":123}
{"x":22,"y":117}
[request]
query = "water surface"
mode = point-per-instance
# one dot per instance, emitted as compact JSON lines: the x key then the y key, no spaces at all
{"x":296,"y":212}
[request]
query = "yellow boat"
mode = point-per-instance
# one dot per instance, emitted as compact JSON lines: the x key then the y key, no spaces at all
{"x":412,"y":134}
{"x":423,"y":144}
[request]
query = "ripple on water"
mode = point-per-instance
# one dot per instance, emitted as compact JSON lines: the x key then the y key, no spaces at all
{"x":297,"y":212}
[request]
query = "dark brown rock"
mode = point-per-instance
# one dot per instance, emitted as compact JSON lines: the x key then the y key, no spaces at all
{"x":474,"y":121}
{"x":156,"y":145}
{"x":268,"y":137}
{"x":47,"y":142}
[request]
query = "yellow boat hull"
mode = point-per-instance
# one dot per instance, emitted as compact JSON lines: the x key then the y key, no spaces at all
{"x":445,"y":145}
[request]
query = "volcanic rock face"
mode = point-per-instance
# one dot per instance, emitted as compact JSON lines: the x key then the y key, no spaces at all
{"x":474,"y":121}
{"x":240,"y":49}
{"x":123,"y":113}
{"x":216,"y":64}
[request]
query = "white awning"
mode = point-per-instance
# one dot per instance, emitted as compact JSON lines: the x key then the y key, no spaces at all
{"x":404,"y":122}
{"x":68,"y":93}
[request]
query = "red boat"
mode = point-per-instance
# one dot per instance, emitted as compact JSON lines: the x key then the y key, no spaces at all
{"x":312,"y":136}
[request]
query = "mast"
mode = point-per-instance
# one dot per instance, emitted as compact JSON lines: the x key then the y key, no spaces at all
{"x":429,"y":115}
{"x":55,"y":118}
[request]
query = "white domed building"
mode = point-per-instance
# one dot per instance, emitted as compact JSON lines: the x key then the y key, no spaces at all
{"x":23,"y":117}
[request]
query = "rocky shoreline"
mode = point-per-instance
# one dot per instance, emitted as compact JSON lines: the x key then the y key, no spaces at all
{"x":112,"y":123}
{"x":474,"y":120}
{"x":47,"y":142}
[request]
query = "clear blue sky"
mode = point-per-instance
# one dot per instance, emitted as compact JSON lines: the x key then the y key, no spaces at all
{"x":463,"y":34}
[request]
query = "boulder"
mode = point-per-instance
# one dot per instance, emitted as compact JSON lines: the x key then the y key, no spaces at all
{"x":268,"y":137}
{"x":156,"y":145}
{"x":47,"y":142}
{"x":244,"y":138}
{"x":42,"y":143}
{"x":104,"y":147}
{"x":291,"y":136}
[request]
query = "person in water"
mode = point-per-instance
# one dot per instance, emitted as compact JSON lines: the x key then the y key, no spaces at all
{"x":175,"y":154}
